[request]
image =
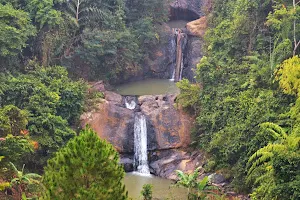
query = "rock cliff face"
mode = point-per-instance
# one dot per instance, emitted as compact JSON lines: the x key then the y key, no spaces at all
{"x":168,"y":127}
{"x":160,"y":63}
{"x":168,"y":131}
{"x":162,"y":57}
{"x":113,"y":123}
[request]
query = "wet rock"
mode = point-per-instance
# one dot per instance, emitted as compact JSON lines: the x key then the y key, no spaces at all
{"x":216,"y":178}
{"x":159,"y":62}
{"x":113,"y":123}
{"x":197,"y":27}
{"x":164,"y":163}
{"x":131,"y":103}
{"x":113,"y":97}
{"x":167,"y":126}
{"x":98,"y":86}
{"x":127,"y":163}
{"x":193,"y":57}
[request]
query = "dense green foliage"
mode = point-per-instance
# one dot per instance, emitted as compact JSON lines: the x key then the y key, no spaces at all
{"x":197,"y":190}
{"x":274,"y":169}
{"x":39,"y":107}
{"x":249,"y":47}
{"x":15,"y":30}
{"x":106,"y":39}
{"x":42,"y":44}
{"x":24,"y":183}
{"x":86,"y":168}
{"x":246,"y":99}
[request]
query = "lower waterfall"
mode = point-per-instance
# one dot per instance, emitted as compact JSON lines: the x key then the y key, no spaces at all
{"x":140,"y":144}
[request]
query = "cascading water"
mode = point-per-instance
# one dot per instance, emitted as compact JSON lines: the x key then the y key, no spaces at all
{"x":140,"y":144}
{"x":130,"y":105}
{"x":179,"y":43}
{"x":181,"y":68}
{"x":173,"y":49}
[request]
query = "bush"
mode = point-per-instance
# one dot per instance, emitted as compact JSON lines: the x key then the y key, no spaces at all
{"x":147,"y":191}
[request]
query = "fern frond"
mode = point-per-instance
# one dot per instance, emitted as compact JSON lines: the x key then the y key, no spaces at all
{"x":263,"y":178}
{"x":275,"y":130}
{"x":263,"y":155}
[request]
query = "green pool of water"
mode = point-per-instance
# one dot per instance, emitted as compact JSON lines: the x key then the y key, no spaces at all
{"x":177,"y":23}
{"x":148,"y":87}
{"x":162,"y":188}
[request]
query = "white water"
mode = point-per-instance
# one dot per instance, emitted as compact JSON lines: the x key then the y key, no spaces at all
{"x":130,"y":105}
{"x":175,"y":44}
{"x":140,"y":144}
{"x":173,"y":47}
{"x":173,"y":76}
{"x":181,"y":68}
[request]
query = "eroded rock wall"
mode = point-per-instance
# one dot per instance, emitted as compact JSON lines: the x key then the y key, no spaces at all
{"x":168,"y":127}
{"x":168,"y":131}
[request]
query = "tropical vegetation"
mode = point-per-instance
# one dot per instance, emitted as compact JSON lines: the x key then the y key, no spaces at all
{"x":86,"y":168}
{"x":246,"y":98}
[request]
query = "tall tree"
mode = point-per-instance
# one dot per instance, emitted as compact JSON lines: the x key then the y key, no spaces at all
{"x":87,"y":168}
{"x":15,"y":30}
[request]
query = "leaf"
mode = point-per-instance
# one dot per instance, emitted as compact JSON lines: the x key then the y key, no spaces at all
{"x":203,"y":183}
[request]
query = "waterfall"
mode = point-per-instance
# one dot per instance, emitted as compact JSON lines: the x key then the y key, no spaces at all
{"x":180,"y":39}
{"x":130,"y":105}
{"x":181,"y":68}
{"x":173,"y":49}
{"x":140,"y":144}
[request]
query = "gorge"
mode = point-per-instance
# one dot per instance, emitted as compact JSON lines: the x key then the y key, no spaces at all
{"x":143,"y":121}
{"x":141,"y":117}
{"x":99,"y":99}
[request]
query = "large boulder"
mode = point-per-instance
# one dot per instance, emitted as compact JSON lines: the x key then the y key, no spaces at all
{"x":113,"y":123}
{"x":197,"y":27}
{"x":167,"y":126}
{"x":127,"y":162}
{"x":216,"y":178}
{"x":113,"y":97}
{"x":165,"y":163}
{"x":98,"y":86}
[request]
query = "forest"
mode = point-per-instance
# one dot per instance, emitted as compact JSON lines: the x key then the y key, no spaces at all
{"x":245,"y":101}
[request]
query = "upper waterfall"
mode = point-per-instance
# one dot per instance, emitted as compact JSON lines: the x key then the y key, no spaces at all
{"x":180,"y":39}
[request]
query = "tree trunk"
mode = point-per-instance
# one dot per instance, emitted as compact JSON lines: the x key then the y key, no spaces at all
{"x":296,"y":42}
